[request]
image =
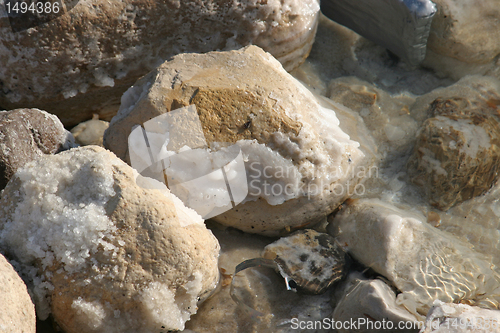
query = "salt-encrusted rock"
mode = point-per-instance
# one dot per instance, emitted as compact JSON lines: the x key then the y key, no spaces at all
{"x":102,"y":253}
{"x":299,"y":163}
{"x":17,"y":312}
{"x":423,"y":262}
{"x":457,"y":153}
{"x":313,"y":260}
{"x":80,"y":63}
{"x":461,"y":318}
{"x":90,"y":132}
{"x":26,"y":134}
{"x":465,"y":38}
{"x":371,"y":304}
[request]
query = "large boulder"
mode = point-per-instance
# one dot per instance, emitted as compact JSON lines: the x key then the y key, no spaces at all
{"x":26,"y":134}
{"x":300,"y":164}
{"x":80,"y":63}
{"x":102,"y":253}
{"x":17,"y":312}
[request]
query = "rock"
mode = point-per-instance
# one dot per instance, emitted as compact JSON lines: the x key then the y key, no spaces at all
{"x":369,"y":303}
{"x":80,"y":63}
{"x":461,"y":318}
{"x":421,"y":261}
{"x":26,"y":134}
{"x":17,"y":312}
{"x":311,"y":259}
{"x":457,"y":153}
{"x":261,"y":288}
{"x":300,"y":165}
{"x":90,"y":132}
{"x":464,"y":38}
{"x":104,"y":254}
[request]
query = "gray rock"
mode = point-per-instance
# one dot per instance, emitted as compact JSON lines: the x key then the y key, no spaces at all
{"x":26,"y":134}
{"x":17,"y":312}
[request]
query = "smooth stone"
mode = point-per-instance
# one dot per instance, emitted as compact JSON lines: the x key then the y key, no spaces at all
{"x":90,"y":132}
{"x":80,"y":63}
{"x":461,"y":318}
{"x":422,"y":262}
{"x":464,"y":38}
{"x":457,"y":153}
{"x":17,"y":312}
{"x":295,"y":150}
{"x":370,"y":302}
{"x":102,"y":253}
{"x":25,"y":135}
{"x":313,"y":260}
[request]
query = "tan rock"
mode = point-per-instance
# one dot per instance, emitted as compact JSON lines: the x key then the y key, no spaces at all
{"x":300,"y":164}
{"x":17,"y":312}
{"x":104,"y":254}
{"x":465,"y":38}
{"x":80,"y":63}
{"x":90,"y":132}
{"x":457,"y":154}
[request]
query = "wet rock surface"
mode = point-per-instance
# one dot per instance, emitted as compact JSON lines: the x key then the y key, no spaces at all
{"x":424,"y":263}
{"x":300,"y":164}
{"x":457,"y":153}
{"x":103,"y":254}
{"x":313,"y":260}
{"x":96,"y":51}
{"x":17,"y":312}
{"x":25,"y":135}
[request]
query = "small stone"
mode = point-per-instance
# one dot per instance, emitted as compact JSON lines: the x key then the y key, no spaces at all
{"x":313,"y":260}
{"x":81,"y":62}
{"x":299,"y":163}
{"x":90,"y":132}
{"x":370,"y":301}
{"x":100,"y":252}
{"x":457,"y":154}
{"x":17,"y":312}
{"x":422,"y":262}
{"x":461,"y":318}
{"x":26,"y":134}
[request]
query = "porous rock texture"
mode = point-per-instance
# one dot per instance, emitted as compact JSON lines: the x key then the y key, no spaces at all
{"x":422,"y":262}
{"x":300,"y":164}
{"x":26,"y":134}
{"x":102,"y":253}
{"x":81,"y":62}
{"x":17,"y":312}
{"x":465,"y":38}
{"x":457,"y":153}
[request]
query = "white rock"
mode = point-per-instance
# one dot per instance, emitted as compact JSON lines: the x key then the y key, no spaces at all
{"x":461,"y":318}
{"x":423,"y":262}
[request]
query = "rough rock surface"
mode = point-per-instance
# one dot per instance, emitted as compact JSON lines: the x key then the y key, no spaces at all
{"x":364,"y":301}
{"x":300,"y":165}
{"x":465,"y":38}
{"x":26,"y":134}
{"x":461,"y":318}
{"x":80,"y":63}
{"x":423,"y":262}
{"x":17,"y":312}
{"x":102,"y":253}
{"x":457,"y":153}
{"x":311,"y":259}
{"x":90,"y":132}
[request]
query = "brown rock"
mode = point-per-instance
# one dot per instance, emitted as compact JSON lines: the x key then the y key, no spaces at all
{"x":457,"y":155}
{"x":17,"y":312}
{"x":300,"y":164}
{"x":80,"y":63}
{"x":26,"y":134}
{"x":104,"y":254}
